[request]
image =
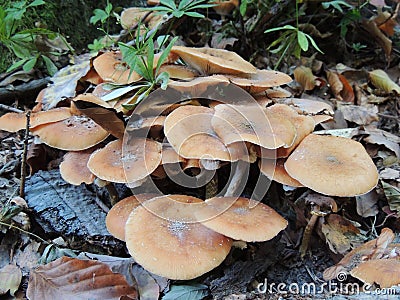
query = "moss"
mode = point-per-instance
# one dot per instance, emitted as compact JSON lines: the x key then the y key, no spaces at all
{"x":71,"y":19}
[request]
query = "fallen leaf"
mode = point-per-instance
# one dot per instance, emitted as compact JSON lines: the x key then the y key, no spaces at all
{"x":220,"y":42}
{"x":392,"y":195}
{"x":64,"y":82}
{"x":10,"y":279}
{"x":72,"y":278}
{"x":367,"y":204}
{"x":108,"y":118}
{"x":38,"y":157}
{"x":381,"y":137}
{"x":378,"y":36}
{"x":381,"y":80}
{"x":360,"y":115}
{"x":305,"y":77}
{"x":340,"y":87}
{"x":183,"y":292}
{"x":389,"y":173}
{"x":322,"y":201}
{"x":345,"y":132}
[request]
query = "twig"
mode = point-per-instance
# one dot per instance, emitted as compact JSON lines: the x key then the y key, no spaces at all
{"x":24,"y":154}
{"x":10,"y":108}
{"x":24,"y":231}
{"x":387,"y":116}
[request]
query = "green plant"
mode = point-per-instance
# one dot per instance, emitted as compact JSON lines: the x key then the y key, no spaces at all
{"x":185,"y":7}
{"x":292,"y":40}
{"x":27,"y":44}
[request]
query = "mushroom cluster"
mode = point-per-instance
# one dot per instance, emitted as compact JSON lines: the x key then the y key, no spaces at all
{"x":204,"y":120}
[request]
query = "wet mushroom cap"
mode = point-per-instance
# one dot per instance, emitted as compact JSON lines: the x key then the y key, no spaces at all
{"x":179,"y":72}
{"x":254,"y":124}
{"x":210,"y":61}
{"x":241,"y":218}
{"x":332,"y":166}
{"x":188,"y":130}
{"x":111,"y":68}
{"x":385,"y":272}
{"x":163,"y":237}
{"x":126,"y":163}
{"x":118,"y":215}
{"x":13,"y":122}
{"x":73,"y":134}
{"x":260,"y":81}
{"x":73,"y":168}
{"x":275,"y":170}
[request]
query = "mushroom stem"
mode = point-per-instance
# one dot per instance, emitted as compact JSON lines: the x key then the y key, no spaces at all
{"x":114,"y":198}
{"x":234,"y":184}
{"x":24,"y":155}
{"x":315,"y":214}
{"x":212,"y":187}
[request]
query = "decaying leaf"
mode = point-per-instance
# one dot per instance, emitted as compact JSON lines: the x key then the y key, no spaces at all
{"x":65,"y":82}
{"x":10,"y":279}
{"x":341,"y":88}
{"x":381,"y":80}
{"x":341,"y":235}
{"x":322,"y":201}
{"x":392,"y":194}
{"x":367,"y":204}
{"x":72,"y":278}
{"x":182,"y":292}
{"x":360,"y":115}
{"x":38,"y":156}
{"x":378,"y":36}
{"x":305,"y":77}
{"x":381,"y":137}
{"x":108,"y":118}
{"x":389,"y":173}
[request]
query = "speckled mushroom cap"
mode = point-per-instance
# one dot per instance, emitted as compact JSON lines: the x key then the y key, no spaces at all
{"x":72,"y":134}
{"x":162,"y":236}
{"x":12,"y":122}
{"x":111,"y":68}
{"x":241,"y":218}
{"x":188,"y":130}
{"x":331,"y":165}
{"x":254,"y":124}
{"x":128,"y":163}
{"x":118,"y":215}
{"x":73,"y":168}
{"x":260,"y":81}
{"x":385,"y":272}
{"x":210,"y":61}
{"x":275,"y":170}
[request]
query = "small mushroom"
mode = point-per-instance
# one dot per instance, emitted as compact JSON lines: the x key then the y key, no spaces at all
{"x":118,"y":215}
{"x":241,"y":218}
{"x":275,"y":170}
{"x":73,"y":168}
{"x":179,"y":71}
{"x":333,"y":166}
{"x":163,"y":236}
{"x":385,"y":272}
{"x":72,"y":134}
{"x":198,"y":86}
{"x":260,"y":81}
{"x":210,"y":61}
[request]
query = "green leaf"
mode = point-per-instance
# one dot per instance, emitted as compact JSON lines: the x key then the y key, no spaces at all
{"x":50,"y":66}
{"x":186,"y":292}
{"x":99,"y":15}
{"x":16,"y":65}
{"x":163,"y":79}
{"x":194,"y":14}
{"x":30,"y":64}
{"x":108,"y":9}
{"x":168,"y":3}
{"x":178,"y":14}
{"x":243,"y":7}
{"x":183,"y":4}
{"x":302,"y":40}
{"x":165,"y":53}
{"x":313,"y":43}
{"x":336,"y":4}
{"x":286,"y":27}
{"x":36,"y":3}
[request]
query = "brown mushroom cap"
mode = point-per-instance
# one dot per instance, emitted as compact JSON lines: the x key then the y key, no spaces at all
{"x":111,"y":68}
{"x":12,"y":122}
{"x":73,"y":168}
{"x":225,"y":7}
{"x":309,"y":107}
{"x":385,"y":272}
{"x":241,"y":218}
{"x":162,"y":236}
{"x":179,"y":72}
{"x":275,"y":170}
{"x":254,"y":124}
{"x":188,"y":130}
{"x":260,"y":81}
{"x":332,"y":166}
{"x":210,"y":61}
{"x":126,"y":163}
{"x":130,"y":17}
{"x":197,"y":86}
{"x":73,"y":134}
{"x":118,"y":215}
{"x":304,"y":125}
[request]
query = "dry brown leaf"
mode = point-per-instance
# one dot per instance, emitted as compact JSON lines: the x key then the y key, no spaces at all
{"x":305,"y":77}
{"x":340,"y":233}
{"x":335,"y":83}
{"x":360,"y":115}
{"x":72,"y":278}
{"x":379,"y":36}
{"x":385,"y":272}
{"x":381,"y":80}
{"x":367,"y":204}
{"x":389,"y":173}
{"x":219,"y":41}
{"x":322,"y":201}
{"x":10,"y":279}
{"x":108,"y":118}
{"x":381,"y":137}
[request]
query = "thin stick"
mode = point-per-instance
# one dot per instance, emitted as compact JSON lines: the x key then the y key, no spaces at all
{"x":10,"y":108}
{"x":24,"y":231}
{"x":24,"y":154}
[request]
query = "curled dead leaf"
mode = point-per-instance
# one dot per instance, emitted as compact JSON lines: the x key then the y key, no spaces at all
{"x":305,"y":77}
{"x":381,"y":80}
